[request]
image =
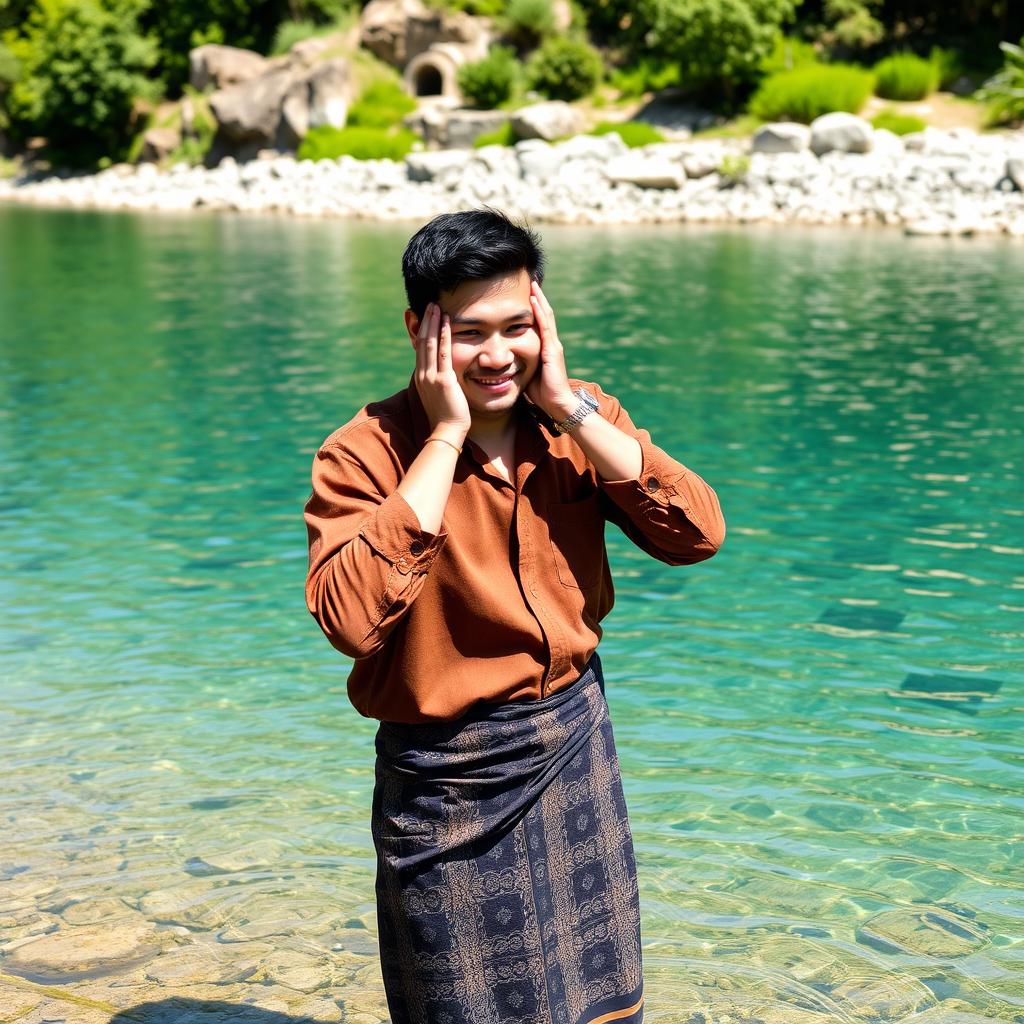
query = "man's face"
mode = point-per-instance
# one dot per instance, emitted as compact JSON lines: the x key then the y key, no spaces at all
{"x":495,"y":347}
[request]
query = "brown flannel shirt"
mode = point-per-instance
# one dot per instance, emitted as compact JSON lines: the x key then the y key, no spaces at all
{"x":505,"y":602}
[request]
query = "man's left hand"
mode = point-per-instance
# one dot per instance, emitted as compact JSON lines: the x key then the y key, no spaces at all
{"x":549,"y":388}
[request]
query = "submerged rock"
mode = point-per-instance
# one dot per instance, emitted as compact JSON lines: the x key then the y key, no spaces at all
{"x":926,"y":931}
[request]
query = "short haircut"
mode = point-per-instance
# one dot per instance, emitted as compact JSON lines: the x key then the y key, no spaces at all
{"x":469,"y":246}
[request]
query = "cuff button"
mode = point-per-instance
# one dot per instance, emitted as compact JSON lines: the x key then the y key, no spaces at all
{"x":652,"y":484}
{"x":416,"y":547}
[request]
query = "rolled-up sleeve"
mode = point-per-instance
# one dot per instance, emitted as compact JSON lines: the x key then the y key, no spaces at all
{"x":368,"y":556}
{"x":668,"y":510}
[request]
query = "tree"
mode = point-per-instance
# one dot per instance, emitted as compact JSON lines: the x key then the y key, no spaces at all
{"x":718,"y":43}
{"x":82,"y":64}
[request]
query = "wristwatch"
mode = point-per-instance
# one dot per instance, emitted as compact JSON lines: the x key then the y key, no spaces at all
{"x":588,"y":403}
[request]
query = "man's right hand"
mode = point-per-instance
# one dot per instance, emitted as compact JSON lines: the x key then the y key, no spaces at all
{"x":438,"y":386}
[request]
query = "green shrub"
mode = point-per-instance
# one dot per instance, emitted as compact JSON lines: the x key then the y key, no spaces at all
{"x":648,"y":74}
{"x":899,"y":124}
{"x":490,"y":82}
{"x":905,"y":76}
{"x":327,"y":143}
{"x":1004,"y":91}
{"x":808,"y":92}
{"x":852,"y":24}
{"x":632,"y":133}
{"x":788,"y":53}
{"x":564,"y":69}
{"x":503,"y":136}
{"x":526,"y":22}
{"x":381,"y":105}
{"x":719,"y":43}
{"x":82,"y":64}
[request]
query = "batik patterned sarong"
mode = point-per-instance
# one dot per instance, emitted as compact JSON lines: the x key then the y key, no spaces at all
{"x":506,"y":878}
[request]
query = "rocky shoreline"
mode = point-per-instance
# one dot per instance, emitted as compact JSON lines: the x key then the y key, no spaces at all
{"x":837,"y":171}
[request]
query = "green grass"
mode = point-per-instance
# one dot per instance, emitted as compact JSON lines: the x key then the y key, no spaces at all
{"x":632,"y":133}
{"x":899,"y":124}
{"x":503,"y":136}
{"x":905,"y":76}
{"x":327,"y":143}
{"x":805,"y":93}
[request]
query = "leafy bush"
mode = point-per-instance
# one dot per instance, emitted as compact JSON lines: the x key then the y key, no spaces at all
{"x":808,"y":92}
{"x":648,"y":74}
{"x":380,"y":105}
{"x":632,"y":133}
{"x":905,"y":76}
{"x":1004,"y":91}
{"x":503,"y":136}
{"x":82,"y":65}
{"x":715,"y":42}
{"x":490,"y":82}
{"x":897,"y":123}
{"x":852,"y":23}
{"x":564,"y":69}
{"x":526,"y":22}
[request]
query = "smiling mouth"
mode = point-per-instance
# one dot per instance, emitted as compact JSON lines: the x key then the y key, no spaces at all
{"x":493,"y":382}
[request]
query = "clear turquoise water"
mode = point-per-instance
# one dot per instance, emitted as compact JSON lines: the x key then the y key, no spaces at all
{"x":819,"y":729}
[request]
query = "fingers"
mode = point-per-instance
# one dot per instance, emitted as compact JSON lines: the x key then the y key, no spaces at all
{"x":426,"y":343}
{"x":544,"y":315}
{"x":444,"y":345}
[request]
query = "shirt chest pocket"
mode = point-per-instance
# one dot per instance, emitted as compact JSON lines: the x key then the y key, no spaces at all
{"x":576,"y":529}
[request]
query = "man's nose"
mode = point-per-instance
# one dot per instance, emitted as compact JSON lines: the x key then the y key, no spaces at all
{"x":496,"y":352}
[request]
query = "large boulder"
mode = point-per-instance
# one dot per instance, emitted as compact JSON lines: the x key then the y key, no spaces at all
{"x":844,"y":133}
{"x":781,"y":137}
{"x":427,"y":166}
{"x":444,"y":128}
{"x":276,"y":110}
{"x":398,"y":30}
{"x":646,"y":171}
{"x":222,"y":66}
{"x":251,"y":111}
{"x":550,"y":120}
{"x":330,"y":93}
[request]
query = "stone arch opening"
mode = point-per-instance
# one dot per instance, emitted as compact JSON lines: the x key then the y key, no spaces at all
{"x":428,"y":80}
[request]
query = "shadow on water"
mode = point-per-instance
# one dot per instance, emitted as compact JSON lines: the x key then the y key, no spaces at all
{"x":204,"y":1011}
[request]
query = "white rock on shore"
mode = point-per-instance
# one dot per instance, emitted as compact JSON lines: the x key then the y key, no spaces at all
{"x":940,"y":183}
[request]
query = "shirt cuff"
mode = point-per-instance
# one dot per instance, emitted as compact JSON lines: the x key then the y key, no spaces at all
{"x":655,"y":485}
{"x":394,"y":532}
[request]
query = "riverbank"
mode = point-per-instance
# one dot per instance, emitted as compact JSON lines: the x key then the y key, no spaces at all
{"x":935,"y":182}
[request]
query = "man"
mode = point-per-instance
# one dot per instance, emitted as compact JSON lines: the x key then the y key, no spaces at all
{"x":456,"y":535}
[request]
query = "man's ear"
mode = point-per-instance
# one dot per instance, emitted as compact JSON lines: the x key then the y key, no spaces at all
{"x":412,"y":325}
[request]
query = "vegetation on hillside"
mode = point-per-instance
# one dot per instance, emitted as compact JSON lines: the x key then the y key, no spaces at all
{"x":82,"y":73}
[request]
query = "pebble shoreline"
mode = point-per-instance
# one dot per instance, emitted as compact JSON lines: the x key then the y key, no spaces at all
{"x":943,"y":183}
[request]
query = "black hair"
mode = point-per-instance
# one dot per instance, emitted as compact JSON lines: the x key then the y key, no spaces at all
{"x":469,"y":246}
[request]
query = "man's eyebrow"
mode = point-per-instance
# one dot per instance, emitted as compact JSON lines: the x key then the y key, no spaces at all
{"x":523,"y":314}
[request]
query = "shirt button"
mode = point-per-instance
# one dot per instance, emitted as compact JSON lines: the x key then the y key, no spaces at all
{"x":652,"y":484}
{"x":416,"y":547}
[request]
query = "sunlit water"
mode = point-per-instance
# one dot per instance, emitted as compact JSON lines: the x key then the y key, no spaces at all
{"x":819,"y":729}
